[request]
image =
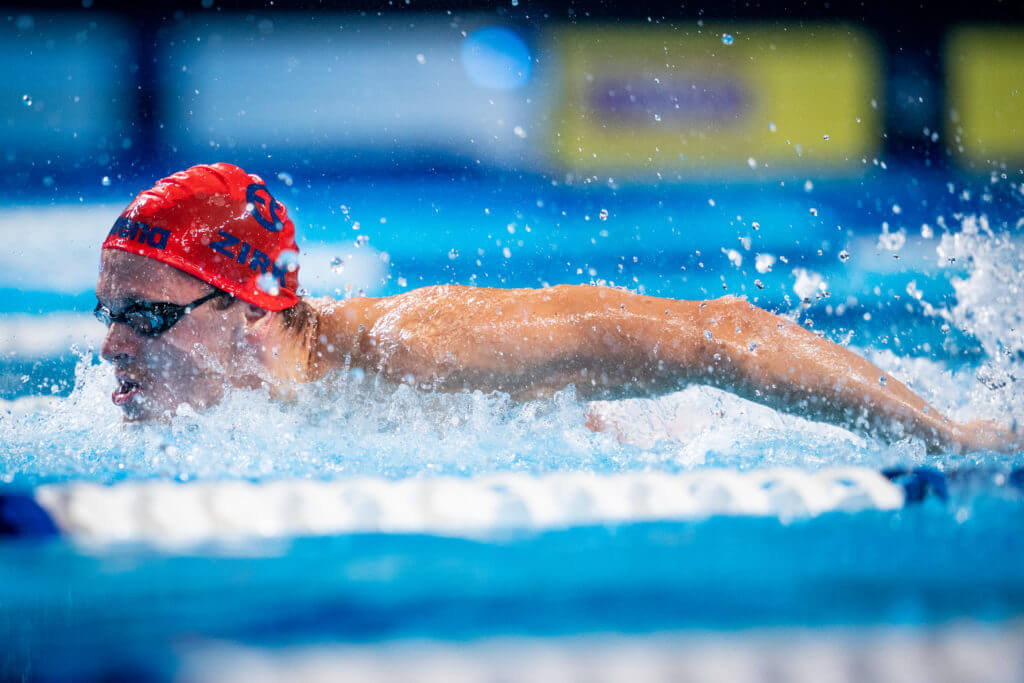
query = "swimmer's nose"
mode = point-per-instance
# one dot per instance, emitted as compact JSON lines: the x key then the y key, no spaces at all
{"x":120,"y":345}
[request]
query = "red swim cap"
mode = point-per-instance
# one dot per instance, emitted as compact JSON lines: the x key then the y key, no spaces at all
{"x":220,"y":224}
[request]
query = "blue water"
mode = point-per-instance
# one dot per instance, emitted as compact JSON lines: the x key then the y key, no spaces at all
{"x":133,"y":610}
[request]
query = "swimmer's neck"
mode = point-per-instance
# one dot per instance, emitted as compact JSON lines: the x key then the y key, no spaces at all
{"x":332,"y":337}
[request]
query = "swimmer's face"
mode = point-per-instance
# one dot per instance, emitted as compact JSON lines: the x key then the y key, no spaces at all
{"x":193,"y":362}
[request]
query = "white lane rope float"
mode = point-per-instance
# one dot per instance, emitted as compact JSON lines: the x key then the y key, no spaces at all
{"x":176,"y":514}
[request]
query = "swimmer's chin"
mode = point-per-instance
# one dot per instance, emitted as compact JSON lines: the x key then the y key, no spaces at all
{"x":142,"y":411}
{"x":133,"y":413}
{"x":136,"y":409}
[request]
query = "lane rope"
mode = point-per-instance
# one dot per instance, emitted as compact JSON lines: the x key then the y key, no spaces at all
{"x":170,"y":513}
{"x":166,"y":513}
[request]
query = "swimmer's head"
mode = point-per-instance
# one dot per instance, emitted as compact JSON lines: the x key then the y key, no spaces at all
{"x":192,"y":277}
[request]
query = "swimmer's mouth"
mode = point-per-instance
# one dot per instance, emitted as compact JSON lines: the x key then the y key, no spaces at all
{"x":125,"y":391}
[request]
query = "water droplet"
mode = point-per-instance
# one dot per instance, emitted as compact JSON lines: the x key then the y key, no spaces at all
{"x":515,"y":3}
{"x":896,"y":208}
{"x":657,"y":117}
{"x":288,"y":260}
{"x":752,"y":162}
{"x":727,"y":39}
{"x":268,"y":283}
{"x":603,"y":215}
{"x":881,"y":380}
{"x":759,"y":285}
{"x":764,"y":262}
{"x":453,"y":254}
{"x":772,"y":127}
{"x":755,"y":225}
{"x":402,"y":282}
{"x":421,"y":59}
{"x":520,"y":133}
{"x":506,"y":252}
{"x":105,"y":182}
{"x":825,"y":137}
{"x":27,"y":100}
{"x":707,"y":334}
{"x":285,"y":178}
{"x":892,"y":241}
{"x":337,"y":265}
{"x":844,"y":256}
{"x":362,"y":240}
{"x":814,"y":211}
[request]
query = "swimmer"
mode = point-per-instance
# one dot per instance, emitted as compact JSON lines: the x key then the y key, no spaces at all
{"x":198,"y":287}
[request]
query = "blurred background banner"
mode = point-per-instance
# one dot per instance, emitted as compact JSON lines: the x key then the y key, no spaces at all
{"x":351,"y":89}
{"x":140,"y":93}
{"x":985,"y":66}
{"x":705,"y":97}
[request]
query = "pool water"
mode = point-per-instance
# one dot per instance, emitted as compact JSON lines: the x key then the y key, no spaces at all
{"x":918,"y":271}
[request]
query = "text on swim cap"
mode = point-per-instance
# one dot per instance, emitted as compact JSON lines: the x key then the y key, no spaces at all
{"x":257,"y":261}
{"x":126,"y":228}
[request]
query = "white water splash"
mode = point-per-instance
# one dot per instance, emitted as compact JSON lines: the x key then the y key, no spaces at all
{"x":988,"y":307}
{"x":359,"y":426}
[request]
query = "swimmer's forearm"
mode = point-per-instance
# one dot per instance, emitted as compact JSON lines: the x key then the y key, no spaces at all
{"x":773,"y":361}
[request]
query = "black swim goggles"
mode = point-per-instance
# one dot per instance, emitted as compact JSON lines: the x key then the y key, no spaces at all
{"x":150,"y":318}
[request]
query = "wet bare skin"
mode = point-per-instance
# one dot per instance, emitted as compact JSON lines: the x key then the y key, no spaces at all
{"x":526,"y":342}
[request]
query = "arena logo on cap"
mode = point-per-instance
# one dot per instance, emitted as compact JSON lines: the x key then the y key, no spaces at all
{"x":129,"y":229}
{"x":265,"y":208}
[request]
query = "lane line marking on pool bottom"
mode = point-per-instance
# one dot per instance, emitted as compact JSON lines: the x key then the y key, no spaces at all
{"x":179,"y":514}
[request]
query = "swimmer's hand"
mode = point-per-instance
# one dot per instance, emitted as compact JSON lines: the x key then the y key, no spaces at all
{"x":986,"y":435}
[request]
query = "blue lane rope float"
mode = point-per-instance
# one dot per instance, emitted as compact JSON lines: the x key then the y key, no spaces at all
{"x":22,"y":516}
{"x":918,"y":483}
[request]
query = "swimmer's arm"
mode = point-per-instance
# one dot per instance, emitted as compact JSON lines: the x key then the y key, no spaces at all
{"x":771,"y":360}
{"x":531,"y":341}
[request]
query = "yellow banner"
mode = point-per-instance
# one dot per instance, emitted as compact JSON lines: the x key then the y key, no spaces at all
{"x":730,"y":98}
{"x":985,"y":67}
